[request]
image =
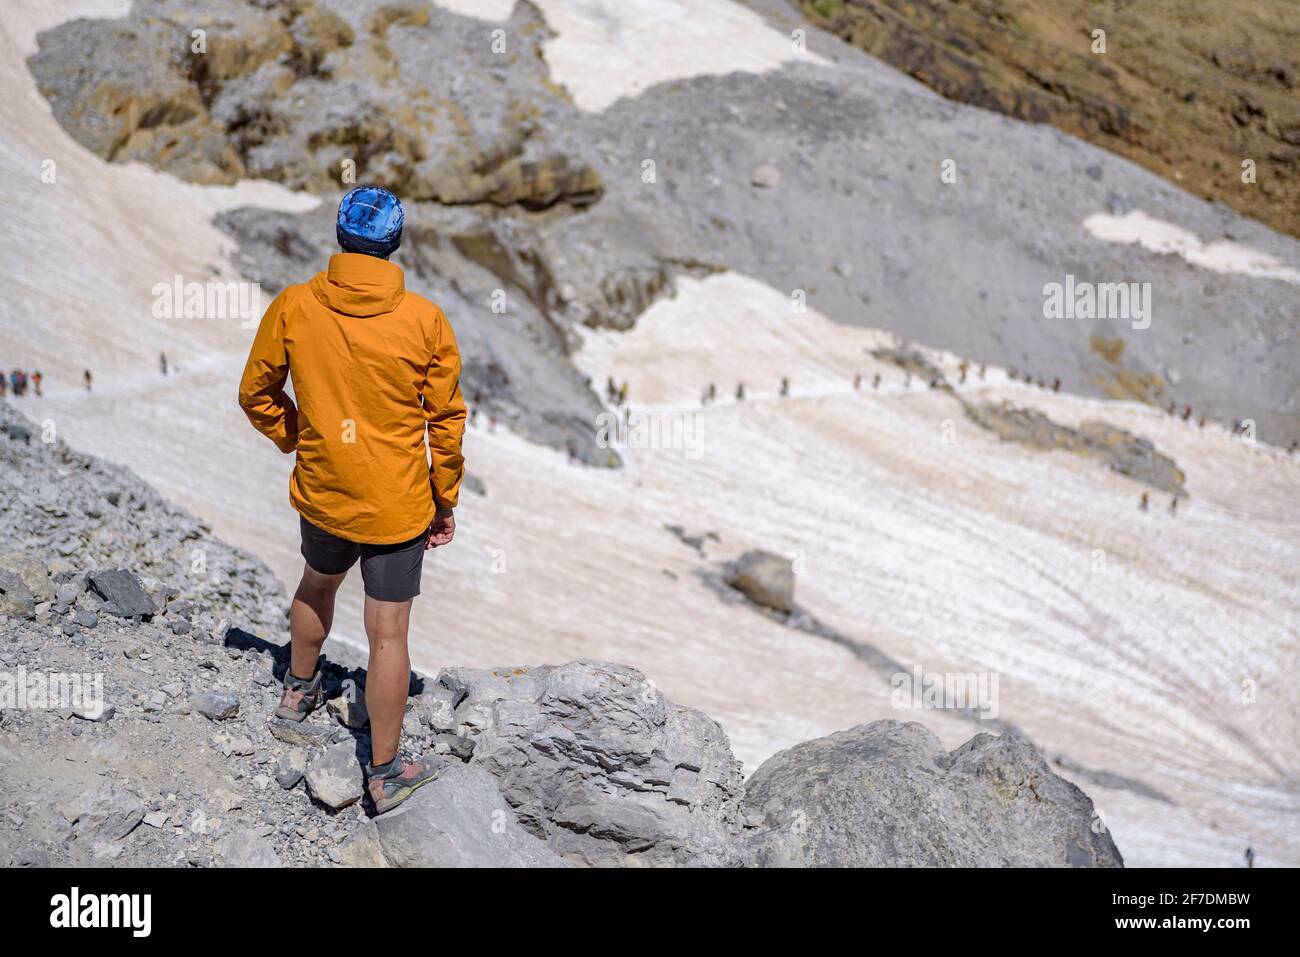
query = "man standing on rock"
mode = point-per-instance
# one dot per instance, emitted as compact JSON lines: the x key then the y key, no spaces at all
{"x":375,"y":370}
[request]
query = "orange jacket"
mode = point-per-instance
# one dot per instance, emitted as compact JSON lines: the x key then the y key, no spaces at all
{"x":371,"y":365}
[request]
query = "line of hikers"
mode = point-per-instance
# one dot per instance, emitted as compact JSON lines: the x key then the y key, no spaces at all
{"x":18,"y":382}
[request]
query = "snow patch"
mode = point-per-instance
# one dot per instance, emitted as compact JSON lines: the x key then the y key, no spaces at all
{"x":1159,"y":236}
{"x":608,"y":49}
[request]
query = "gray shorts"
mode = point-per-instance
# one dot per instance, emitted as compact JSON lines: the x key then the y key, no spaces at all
{"x":390,"y":572}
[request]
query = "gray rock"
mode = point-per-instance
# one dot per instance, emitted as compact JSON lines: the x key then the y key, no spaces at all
{"x":887,"y":794}
{"x":246,"y":848}
{"x":109,"y":814}
{"x":349,"y":709}
{"x":215,"y":705}
{"x":454,"y":744}
{"x":122,"y":592}
{"x":437,"y":707}
{"x":459,"y":820}
{"x":361,"y":848}
{"x":335,"y":778}
{"x":290,"y":768}
{"x":597,"y":761}
{"x":85,"y":617}
{"x":98,"y":712}
{"x":765,"y":578}
{"x":300,"y":734}
{"x":15,"y":597}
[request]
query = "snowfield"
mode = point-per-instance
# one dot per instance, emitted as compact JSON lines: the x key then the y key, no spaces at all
{"x":1159,"y":651}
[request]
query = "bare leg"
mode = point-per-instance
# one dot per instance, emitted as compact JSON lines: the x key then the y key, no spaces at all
{"x":388,"y":676}
{"x":310,"y":617}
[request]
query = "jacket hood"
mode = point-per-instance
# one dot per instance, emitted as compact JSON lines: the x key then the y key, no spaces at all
{"x":359,"y":285}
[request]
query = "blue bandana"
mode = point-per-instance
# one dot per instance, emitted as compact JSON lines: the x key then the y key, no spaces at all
{"x":370,"y":221}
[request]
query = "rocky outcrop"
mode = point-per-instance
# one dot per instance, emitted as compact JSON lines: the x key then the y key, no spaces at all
{"x":888,"y":794}
{"x":1119,"y":449}
{"x":249,"y":89}
{"x":598,"y":763}
{"x":459,"y":820}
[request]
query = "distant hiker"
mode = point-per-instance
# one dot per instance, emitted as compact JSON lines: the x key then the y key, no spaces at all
{"x":611,"y":391}
{"x":16,"y":382}
{"x":162,"y":362}
{"x":740,"y":392}
{"x":713,"y":391}
{"x":86,"y":376}
{"x":622,"y":395}
{"x":4,"y":384}
{"x":572,"y":450}
{"x":36,"y":382}
{"x":1011,"y":374}
{"x":857,"y":381}
{"x":961,"y":368}
{"x":473,"y":416}
{"x":1056,"y":385}
{"x":1201,"y":423}
{"x":1173,"y":505}
{"x":349,"y":341}
{"x":983,"y":369}
{"x":492,"y":425}
{"x":1173,"y":408}
{"x":1145,"y":503}
{"x":1295,"y":447}
{"x":1029,"y":379}
{"x":875,"y":381}
{"x":1250,"y":857}
{"x":1187,"y":412}
{"x":785,"y":387}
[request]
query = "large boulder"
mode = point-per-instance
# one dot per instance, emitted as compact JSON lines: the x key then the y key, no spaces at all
{"x":766,"y":579}
{"x":335,"y":778}
{"x":459,"y":819}
{"x":887,"y":794}
{"x":598,"y":763}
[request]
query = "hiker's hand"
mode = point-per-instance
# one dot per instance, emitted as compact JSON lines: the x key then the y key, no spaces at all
{"x":443,"y":528}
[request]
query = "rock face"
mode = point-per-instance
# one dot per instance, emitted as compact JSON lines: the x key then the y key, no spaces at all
{"x":597,"y":762}
{"x":257,"y":95}
{"x":887,"y":794}
{"x":459,"y":820}
{"x":765,"y":578}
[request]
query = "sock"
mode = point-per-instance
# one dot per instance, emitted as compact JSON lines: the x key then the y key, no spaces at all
{"x":383,"y":770}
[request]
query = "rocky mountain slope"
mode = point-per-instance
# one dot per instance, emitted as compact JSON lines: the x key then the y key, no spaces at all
{"x":533,"y":218}
{"x":1190,"y":91}
{"x":168,"y":753}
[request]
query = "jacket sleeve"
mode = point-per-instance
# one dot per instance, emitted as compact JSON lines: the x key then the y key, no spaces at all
{"x":261,"y":389}
{"x":444,"y":410}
